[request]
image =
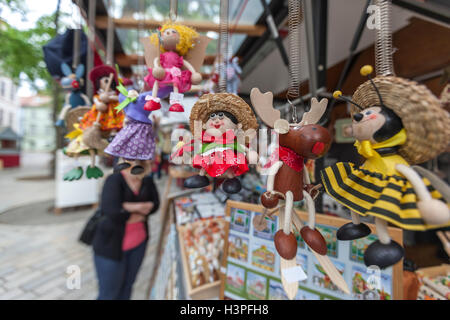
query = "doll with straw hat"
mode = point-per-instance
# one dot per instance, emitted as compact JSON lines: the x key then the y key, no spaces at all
{"x":397,"y":123}
{"x":219,"y":121}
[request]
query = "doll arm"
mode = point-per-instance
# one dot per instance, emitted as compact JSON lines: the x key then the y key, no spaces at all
{"x":433,"y":211}
{"x":196,"y":77}
{"x":158,"y":72}
{"x":271,"y":172}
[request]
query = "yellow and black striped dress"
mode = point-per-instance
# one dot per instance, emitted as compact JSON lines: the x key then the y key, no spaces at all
{"x":385,"y":194}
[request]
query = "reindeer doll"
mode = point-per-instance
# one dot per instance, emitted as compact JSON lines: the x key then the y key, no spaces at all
{"x":286,"y":179}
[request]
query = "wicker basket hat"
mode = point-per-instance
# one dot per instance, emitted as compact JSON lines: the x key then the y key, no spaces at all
{"x":229,"y":102}
{"x":426,"y":123}
{"x":74,"y":116}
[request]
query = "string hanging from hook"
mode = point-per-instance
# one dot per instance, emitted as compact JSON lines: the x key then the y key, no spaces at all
{"x":223,"y":45}
{"x":173,"y":11}
{"x":139,"y":76}
{"x":295,"y":18}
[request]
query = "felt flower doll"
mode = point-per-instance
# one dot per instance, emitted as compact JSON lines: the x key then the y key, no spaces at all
{"x":136,"y":141}
{"x":223,"y":118}
{"x":397,"y":123}
{"x":170,"y":67}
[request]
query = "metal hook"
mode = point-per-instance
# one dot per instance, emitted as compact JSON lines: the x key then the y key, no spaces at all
{"x":294,"y":110}
{"x":173,"y":13}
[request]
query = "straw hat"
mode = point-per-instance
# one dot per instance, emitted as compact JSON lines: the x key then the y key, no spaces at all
{"x":229,"y":102}
{"x":74,"y":116}
{"x":426,"y":123}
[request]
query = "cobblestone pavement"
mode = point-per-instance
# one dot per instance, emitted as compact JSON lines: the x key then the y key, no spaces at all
{"x":34,"y":258}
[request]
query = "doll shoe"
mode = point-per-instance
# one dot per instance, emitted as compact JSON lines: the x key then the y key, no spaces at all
{"x":232,"y":185}
{"x":152,"y":105}
{"x":94,"y":172}
{"x":137,"y":170}
{"x":197,"y":181}
{"x":74,"y":174}
{"x":121,"y":166}
{"x":383,"y":255}
{"x":351,"y":231}
{"x":176,"y":107}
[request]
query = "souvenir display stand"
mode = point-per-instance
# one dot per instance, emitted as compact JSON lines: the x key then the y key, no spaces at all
{"x":73,"y":193}
{"x":250,"y":265}
{"x":183,"y":213}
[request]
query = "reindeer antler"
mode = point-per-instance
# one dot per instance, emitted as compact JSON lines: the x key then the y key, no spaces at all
{"x":316,"y":111}
{"x":263,"y":105}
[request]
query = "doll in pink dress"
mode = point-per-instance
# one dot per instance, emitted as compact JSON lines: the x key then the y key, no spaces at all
{"x":174,"y":41}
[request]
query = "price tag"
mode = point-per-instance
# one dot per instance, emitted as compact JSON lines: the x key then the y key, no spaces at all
{"x":293,"y":274}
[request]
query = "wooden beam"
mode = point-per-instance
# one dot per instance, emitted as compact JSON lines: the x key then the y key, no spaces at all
{"x":201,"y":26}
{"x":128,"y":60}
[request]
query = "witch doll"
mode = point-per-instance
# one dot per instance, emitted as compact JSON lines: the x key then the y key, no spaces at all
{"x":222,"y":152}
{"x":397,"y":123}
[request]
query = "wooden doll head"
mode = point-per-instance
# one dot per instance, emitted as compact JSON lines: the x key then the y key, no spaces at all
{"x":376,"y":124}
{"x":219,"y":122}
{"x":175,"y":37}
{"x":306,"y":138}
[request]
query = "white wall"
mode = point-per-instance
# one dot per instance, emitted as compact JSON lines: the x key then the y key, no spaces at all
{"x":9,"y":104}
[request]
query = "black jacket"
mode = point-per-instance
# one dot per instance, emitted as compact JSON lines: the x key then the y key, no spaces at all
{"x":108,"y":238}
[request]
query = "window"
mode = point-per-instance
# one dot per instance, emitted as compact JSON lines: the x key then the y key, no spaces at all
{"x":2,"y":88}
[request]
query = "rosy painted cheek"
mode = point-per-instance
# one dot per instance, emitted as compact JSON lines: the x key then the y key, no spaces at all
{"x":373,"y":116}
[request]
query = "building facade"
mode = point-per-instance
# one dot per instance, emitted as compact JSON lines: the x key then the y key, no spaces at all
{"x":36,"y":124}
{"x":9,"y":104}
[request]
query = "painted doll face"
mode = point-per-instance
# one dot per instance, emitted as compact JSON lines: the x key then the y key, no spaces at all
{"x":218,"y":123}
{"x":366,"y":123}
{"x":170,"y":39}
{"x":104,"y":82}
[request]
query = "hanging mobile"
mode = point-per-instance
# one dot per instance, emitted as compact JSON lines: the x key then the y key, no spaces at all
{"x":397,"y":123}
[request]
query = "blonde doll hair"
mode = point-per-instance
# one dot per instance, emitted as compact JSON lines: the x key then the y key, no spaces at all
{"x":187,"y":37}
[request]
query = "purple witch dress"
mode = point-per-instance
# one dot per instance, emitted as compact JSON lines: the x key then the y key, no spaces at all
{"x":136,"y":141}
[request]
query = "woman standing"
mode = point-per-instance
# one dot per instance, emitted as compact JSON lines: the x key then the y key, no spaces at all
{"x":121,"y":238}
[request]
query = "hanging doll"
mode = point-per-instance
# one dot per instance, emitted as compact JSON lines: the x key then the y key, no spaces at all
{"x":223,"y":117}
{"x":74,"y":98}
{"x":287,"y":180}
{"x":101,"y":122}
{"x":397,"y":123}
{"x":167,"y":55}
{"x":136,"y":141}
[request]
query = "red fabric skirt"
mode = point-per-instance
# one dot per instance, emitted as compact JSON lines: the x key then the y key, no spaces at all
{"x":218,"y":162}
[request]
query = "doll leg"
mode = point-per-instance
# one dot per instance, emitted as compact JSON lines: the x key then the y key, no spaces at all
{"x":384,"y":252}
{"x":231,"y":184}
{"x":197,"y":181}
{"x":176,"y":100}
{"x":353,"y":230}
{"x":93,"y":171}
{"x":154,"y":103}
{"x":309,"y":233}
